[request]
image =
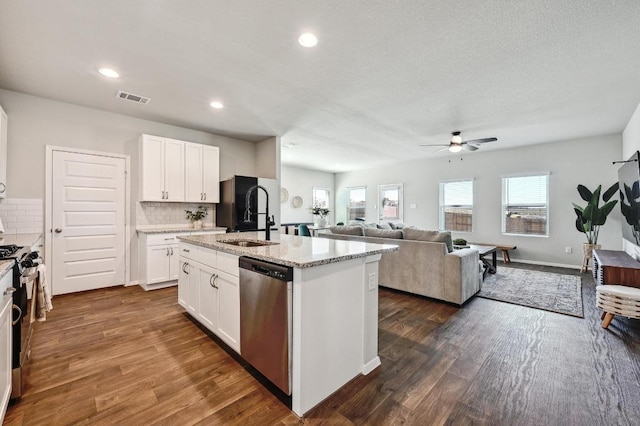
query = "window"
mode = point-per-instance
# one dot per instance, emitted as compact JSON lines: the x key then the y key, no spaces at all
{"x":390,"y":202}
{"x":456,"y":205}
{"x":321,"y":197}
{"x":357,"y":207}
{"x":525,"y":205}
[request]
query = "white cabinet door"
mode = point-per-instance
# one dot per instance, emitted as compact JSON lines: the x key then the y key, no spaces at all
{"x":188,"y":283}
{"x":3,"y":153}
{"x":174,"y":169}
{"x":208,"y":298}
{"x":228,"y":309}
{"x":193,"y":172}
{"x":183,"y":283}
{"x":151,"y":168}
{"x":211,"y":173}
{"x":158,"y":264}
{"x":5,"y":352}
{"x":174,"y":264}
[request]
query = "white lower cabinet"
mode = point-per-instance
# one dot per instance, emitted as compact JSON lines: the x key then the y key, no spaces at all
{"x":5,"y":351}
{"x":228,"y":326}
{"x":208,"y":298}
{"x":159,"y":258}
{"x":209,"y":289}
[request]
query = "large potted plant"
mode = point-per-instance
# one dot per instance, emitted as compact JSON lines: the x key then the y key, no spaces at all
{"x":591,"y":217}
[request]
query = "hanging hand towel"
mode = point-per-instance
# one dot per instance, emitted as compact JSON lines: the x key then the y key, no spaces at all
{"x":43,"y":299}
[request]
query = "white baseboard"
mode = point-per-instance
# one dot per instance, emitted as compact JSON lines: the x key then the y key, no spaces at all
{"x":371,"y":365}
{"x":130,"y":283}
{"x":558,"y":265}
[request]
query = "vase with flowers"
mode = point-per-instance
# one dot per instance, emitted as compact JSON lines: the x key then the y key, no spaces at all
{"x":196,"y":216}
{"x":319,"y":214}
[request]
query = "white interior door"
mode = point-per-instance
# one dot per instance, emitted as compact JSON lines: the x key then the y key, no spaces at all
{"x":88,"y":222}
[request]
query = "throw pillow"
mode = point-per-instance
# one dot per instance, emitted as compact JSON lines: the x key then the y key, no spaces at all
{"x":396,"y":225}
{"x":384,"y":225}
{"x":346,"y":230}
{"x":433,"y":236}
{"x":383,"y":233}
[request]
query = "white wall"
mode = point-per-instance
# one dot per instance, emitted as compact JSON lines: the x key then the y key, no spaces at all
{"x":631,"y":144}
{"x":301,"y":182}
{"x":36,"y":122}
{"x":584,"y":161}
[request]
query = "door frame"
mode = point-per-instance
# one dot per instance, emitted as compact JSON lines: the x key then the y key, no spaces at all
{"x":48,"y":208}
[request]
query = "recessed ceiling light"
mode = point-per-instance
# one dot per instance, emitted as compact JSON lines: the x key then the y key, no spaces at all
{"x":108,"y":72}
{"x":308,"y":40}
{"x":216,"y":105}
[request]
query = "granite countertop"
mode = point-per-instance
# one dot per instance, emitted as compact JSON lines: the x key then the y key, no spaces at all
{"x":19,"y":240}
{"x":176,"y":229}
{"x":291,"y":250}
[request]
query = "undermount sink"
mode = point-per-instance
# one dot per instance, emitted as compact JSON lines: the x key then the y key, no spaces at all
{"x":248,"y":243}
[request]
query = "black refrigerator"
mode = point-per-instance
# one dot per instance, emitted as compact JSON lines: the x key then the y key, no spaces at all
{"x":233,"y":194}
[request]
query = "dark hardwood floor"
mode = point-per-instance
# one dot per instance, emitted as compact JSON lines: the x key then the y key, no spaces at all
{"x":125,"y":356}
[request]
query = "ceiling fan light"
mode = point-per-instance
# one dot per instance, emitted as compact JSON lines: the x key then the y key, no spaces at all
{"x":456,"y":139}
{"x":455,"y":147}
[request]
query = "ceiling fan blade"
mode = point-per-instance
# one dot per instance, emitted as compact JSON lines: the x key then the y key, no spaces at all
{"x":437,"y":144}
{"x":469,"y":147}
{"x":484,"y":140}
{"x":446,"y":148}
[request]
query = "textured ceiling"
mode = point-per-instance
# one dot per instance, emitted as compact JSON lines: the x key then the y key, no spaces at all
{"x":385,"y":76}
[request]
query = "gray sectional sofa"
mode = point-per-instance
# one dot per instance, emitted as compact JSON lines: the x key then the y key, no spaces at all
{"x":425,"y":264}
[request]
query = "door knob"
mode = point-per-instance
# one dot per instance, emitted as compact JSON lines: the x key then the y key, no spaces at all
{"x":58,"y":230}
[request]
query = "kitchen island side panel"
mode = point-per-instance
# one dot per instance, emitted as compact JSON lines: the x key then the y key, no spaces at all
{"x":328,"y":330}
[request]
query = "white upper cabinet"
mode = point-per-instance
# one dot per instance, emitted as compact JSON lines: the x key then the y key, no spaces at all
{"x":3,"y":153}
{"x":211,"y":173}
{"x":161,"y":169}
{"x":202,"y":173}
{"x":174,"y":170}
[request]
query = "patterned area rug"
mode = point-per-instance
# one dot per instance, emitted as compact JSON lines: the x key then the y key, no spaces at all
{"x":541,"y":290}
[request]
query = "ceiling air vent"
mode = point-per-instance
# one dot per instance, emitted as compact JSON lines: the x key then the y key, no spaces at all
{"x":133,"y":98}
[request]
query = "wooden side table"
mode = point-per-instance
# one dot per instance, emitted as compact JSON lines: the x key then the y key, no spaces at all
{"x":615,"y":267}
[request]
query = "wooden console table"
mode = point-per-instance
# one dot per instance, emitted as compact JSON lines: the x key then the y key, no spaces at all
{"x":615,"y":267}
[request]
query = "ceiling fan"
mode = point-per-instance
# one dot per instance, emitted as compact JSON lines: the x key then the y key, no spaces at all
{"x":457,"y":144}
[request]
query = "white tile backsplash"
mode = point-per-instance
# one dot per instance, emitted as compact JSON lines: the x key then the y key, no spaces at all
{"x":158,"y":213}
{"x":22,"y":215}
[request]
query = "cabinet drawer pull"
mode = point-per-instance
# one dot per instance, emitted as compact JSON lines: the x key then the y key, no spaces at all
{"x":185,"y":250}
{"x":4,"y":188}
{"x":184,"y":266}
{"x":169,"y":239}
{"x":171,"y":248}
{"x":167,"y":251}
{"x":205,"y":195}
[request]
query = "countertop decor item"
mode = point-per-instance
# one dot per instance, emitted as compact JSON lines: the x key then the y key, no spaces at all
{"x":284,"y":195}
{"x":296,"y":202}
{"x":197,"y":216}
{"x":319,"y":214}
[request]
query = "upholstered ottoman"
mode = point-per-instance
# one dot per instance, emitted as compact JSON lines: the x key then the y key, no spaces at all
{"x":617,"y":300}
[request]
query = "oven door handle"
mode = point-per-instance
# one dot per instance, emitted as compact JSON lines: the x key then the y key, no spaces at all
{"x":16,"y":307}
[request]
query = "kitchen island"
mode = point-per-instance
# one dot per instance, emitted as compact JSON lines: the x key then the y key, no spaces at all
{"x":334,"y":303}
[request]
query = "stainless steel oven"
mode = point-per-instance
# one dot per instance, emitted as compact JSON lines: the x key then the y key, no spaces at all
{"x":25,"y":275}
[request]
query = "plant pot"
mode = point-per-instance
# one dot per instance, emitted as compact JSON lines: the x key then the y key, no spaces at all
{"x":320,"y":221}
{"x":197,"y":224}
{"x":587,"y":254}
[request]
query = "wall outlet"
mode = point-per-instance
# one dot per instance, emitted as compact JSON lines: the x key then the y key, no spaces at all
{"x":412,"y":206}
{"x":568,"y":250}
{"x":372,"y":281}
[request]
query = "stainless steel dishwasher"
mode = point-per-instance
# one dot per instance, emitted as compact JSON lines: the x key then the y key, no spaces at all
{"x":265,"y":319}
